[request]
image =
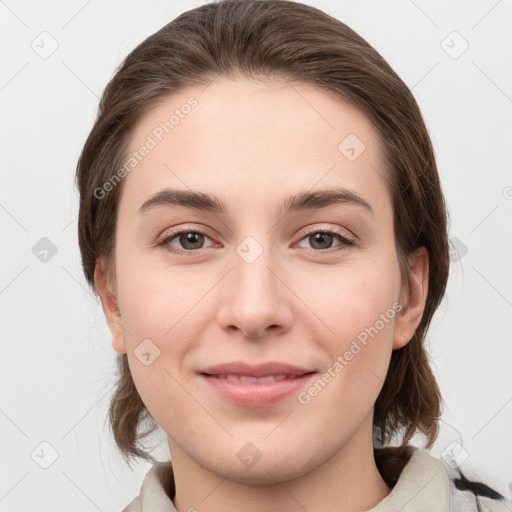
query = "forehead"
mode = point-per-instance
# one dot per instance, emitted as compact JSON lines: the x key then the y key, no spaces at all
{"x":241,"y":139}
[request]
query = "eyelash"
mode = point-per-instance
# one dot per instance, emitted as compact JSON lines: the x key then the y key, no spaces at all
{"x":346,"y":242}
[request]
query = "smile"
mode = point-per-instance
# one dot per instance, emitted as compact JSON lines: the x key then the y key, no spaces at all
{"x":249,"y":379}
{"x":251,"y":391}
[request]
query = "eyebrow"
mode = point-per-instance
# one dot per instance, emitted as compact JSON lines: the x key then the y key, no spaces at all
{"x":301,"y":201}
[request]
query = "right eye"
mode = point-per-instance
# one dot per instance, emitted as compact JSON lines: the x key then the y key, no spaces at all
{"x":190,"y":240}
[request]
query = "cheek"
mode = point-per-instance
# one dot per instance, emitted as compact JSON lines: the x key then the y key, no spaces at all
{"x":360,"y":311}
{"x":163,"y":321}
{"x":157,"y":302}
{"x":348,"y":300}
{"x":359,"y":306}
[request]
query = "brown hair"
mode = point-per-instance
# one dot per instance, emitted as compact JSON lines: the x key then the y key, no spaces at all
{"x":292,"y":41}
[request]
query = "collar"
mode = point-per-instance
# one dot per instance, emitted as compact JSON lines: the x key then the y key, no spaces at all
{"x":423,"y":486}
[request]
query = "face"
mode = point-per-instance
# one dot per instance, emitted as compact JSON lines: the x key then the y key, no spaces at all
{"x":298,"y":267}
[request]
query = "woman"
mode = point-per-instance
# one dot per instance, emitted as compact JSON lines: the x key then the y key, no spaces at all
{"x":262,"y":217}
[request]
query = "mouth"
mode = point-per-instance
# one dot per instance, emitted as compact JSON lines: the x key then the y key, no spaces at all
{"x":252,"y":379}
{"x":256,"y":391}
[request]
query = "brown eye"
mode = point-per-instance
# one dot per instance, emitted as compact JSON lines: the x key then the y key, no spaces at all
{"x":191,"y":240}
{"x":185,"y":241}
{"x":323,"y":240}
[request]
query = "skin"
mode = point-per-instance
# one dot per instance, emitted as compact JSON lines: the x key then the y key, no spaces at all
{"x":252,"y":144}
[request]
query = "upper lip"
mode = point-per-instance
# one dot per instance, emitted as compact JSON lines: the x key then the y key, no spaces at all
{"x":259,"y":370}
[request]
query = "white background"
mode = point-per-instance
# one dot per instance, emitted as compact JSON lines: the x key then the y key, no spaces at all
{"x":56,"y":364}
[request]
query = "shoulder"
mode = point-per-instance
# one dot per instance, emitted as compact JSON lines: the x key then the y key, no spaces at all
{"x":467,"y":494}
{"x":421,"y":481}
{"x":156,"y":491}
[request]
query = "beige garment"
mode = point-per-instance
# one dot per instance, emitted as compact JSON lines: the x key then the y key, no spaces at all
{"x":423,"y":486}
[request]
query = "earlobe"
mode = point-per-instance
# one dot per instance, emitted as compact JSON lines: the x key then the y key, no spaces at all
{"x":415,"y":296}
{"x":110,"y":306}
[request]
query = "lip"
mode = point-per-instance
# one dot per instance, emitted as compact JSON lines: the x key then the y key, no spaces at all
{"x":257,"y":394}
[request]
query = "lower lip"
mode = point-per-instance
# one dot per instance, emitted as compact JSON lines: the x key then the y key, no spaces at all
{"x":257,"y":394}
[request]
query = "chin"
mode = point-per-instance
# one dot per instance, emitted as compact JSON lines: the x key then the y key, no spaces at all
{"x":263,"y":475}
{"x":267,"y":470}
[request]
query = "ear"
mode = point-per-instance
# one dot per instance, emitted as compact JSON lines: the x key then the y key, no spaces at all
{"x":110,"y":306}
{"x":413,"y":297}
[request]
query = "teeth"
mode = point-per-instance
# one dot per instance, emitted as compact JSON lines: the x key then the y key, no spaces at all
{"x":250,"y":379}
{"x":268,"y":378}
{"x":247,"y":379}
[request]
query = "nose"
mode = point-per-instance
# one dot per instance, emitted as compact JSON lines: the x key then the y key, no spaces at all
{"x":255,"y":298}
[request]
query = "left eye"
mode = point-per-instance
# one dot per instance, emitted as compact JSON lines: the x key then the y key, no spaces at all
{"x":322,"y":240}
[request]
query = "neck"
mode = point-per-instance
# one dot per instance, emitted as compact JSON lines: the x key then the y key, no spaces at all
{"x":347,"y":481}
